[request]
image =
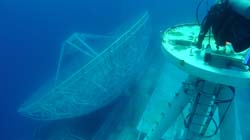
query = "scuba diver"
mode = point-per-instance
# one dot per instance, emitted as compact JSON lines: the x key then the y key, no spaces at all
{"x":230,"y":22}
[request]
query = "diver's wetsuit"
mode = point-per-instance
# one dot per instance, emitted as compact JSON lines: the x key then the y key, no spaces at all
{"x":227,"y":25}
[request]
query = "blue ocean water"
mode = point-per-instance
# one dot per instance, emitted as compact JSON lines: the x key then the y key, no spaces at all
{"x":31,"y":33}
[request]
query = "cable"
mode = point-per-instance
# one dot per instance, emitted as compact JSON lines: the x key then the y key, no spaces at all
{"x":198,"y":8}
{"x":197,"y":11}
{"x":198,"y":20}
{"x":229,"y":101}
{"x":215,"y":132}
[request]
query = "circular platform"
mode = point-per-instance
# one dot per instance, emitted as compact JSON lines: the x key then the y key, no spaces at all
{"x":219,"y":65}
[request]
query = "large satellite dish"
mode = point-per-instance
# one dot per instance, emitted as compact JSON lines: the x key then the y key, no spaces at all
{"x":86,"y":84}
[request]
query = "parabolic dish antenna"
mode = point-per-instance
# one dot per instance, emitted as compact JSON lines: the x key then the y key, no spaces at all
{"x":92,"y":84}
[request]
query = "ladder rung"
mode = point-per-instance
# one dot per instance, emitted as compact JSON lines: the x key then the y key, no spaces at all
{"x":203,"y":115}
{"x":206,"y":95}
{"x":205,"y":104}
{"x":198,"y":124}
{"x":195,"y":133}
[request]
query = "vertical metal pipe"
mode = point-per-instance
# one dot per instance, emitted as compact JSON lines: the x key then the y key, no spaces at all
{"x":173,"y":110}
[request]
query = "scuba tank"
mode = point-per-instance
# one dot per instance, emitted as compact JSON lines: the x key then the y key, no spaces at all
{"x":242,"y":7}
